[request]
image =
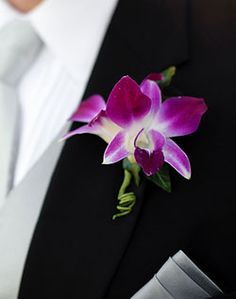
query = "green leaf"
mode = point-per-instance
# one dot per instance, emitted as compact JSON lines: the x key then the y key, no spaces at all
{"x":162,"y":178}
{"x":134,"y":169}
{"x":168,"y":75}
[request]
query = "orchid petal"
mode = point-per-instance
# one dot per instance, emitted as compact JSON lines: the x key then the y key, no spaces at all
{"x":82,"y":130}
{"x":177,"y":158}
{"x":116,"y":150}
{"x":180,"y":116}
{"x":150,"y":159}
{"x":151,"y":162}
{"x":157,"y":140}
{"x":126,"y":103}
{"x":152,"y":90}
{"x":89,"y":108}
{"x":101,"y":125}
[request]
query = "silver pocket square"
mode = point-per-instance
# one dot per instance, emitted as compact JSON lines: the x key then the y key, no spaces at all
{"x":178,"y":278}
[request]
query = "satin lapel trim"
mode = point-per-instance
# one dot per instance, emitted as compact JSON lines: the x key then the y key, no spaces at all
{"x":76,"y":242}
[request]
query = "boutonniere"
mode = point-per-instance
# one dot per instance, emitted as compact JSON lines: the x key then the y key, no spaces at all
{"x":138,"y":127}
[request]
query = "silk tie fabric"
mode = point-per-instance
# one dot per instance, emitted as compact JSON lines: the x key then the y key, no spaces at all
{"x":179,"y":278}
{"x":19,"y":45}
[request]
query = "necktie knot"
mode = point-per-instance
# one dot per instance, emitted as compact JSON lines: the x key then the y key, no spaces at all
{"x":19,"y":44}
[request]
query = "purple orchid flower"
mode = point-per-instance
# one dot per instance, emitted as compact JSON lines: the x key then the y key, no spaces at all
{"x":138,"y":126}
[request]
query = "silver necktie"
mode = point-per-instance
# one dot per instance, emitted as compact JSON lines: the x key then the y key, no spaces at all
{"x":19,"y":46}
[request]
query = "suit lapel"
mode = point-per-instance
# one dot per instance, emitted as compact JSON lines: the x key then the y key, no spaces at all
{"x":77,"y":248}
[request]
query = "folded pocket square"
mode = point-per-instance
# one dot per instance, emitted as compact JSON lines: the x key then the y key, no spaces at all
{"x":179,"y":278}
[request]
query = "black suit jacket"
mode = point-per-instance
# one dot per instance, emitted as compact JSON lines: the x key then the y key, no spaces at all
{"x":77,"y":250}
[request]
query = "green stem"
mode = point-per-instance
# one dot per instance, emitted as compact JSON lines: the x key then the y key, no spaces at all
{"x":126,"y":200}
{"x":126,"y":183}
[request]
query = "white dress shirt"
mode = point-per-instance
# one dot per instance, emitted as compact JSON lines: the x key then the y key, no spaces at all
{"x":72,"y":32}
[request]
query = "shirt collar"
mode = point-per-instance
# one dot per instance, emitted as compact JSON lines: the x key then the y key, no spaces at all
{"x":7,"y":13}
{"x":71,"y":29}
